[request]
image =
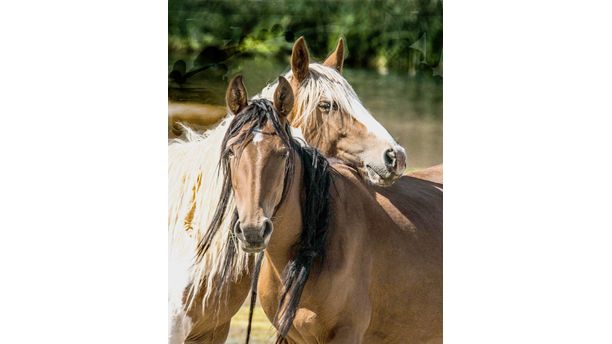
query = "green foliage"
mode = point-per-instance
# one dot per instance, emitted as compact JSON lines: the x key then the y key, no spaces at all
{"x":397,"y":34}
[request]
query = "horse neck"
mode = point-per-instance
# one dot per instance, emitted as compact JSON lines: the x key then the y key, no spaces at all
{"x":287,"y":223}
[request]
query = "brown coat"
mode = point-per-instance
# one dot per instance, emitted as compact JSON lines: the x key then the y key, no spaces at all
{"x":381,"y":281}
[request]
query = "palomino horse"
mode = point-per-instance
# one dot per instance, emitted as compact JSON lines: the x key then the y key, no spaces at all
{"x":343,"y":262}
{"x":321,"y":95}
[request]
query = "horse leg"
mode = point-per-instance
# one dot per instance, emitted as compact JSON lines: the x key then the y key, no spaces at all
{"x":213,"y":322}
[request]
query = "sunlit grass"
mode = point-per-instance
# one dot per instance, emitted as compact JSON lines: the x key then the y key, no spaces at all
{"x":262,"y":331}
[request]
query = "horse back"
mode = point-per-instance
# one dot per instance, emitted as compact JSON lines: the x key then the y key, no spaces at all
{"x":433,"y":174}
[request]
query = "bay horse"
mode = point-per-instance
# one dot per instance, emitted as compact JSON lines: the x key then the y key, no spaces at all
{"x":321,"y":95}
{"x":344,"y":262}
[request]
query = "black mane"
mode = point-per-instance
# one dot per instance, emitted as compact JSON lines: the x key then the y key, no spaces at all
{"x":315,"y":205}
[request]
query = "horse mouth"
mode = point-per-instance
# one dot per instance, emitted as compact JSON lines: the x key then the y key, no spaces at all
{"x":378,"y":178}
{"x":248,"y":248}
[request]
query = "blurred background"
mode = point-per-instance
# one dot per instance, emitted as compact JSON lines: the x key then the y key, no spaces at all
{"x":393,"y":60}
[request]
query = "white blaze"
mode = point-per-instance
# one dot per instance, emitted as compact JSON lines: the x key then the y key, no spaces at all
{"x":258,"y":137}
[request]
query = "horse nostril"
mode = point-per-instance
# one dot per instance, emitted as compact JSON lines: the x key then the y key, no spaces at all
{"x":389,"y":157}
{"x":400,"y":157}
{"x":267,"y":230}
{"x":237,"y":229}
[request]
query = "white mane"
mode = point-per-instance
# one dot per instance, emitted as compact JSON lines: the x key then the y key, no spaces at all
{"x":194,"y":186}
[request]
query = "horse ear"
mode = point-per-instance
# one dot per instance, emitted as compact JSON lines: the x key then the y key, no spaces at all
{"x":336,"y":59}
{"x":300,"y":59}
{"x":236,"y":95}
{"x":283,"y":97}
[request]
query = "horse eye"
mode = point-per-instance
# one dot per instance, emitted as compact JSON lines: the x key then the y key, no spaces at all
{"x":230,"y":153}
{"x":325,"y":106}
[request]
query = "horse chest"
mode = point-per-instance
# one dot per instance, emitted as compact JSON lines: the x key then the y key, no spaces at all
{"x":308,"y":325}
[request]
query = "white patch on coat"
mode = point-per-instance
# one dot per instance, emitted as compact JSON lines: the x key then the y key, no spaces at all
{"x":194,"y":190}
{"x":297,"y":134}
{"x":258,"y":137}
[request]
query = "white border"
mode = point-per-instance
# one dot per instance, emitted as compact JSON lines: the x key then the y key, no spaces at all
{"x":83,"y":186}
{"x":527,"y":172}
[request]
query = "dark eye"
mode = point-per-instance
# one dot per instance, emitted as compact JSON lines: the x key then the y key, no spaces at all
{"x":229,"y":152}
{"x":325,"y":106}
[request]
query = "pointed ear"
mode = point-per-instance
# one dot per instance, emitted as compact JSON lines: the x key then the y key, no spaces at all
{"x":300,"y":59}
{"x":336,"y":59}
{"x":283,"y":97}
{"x":236,"y":95}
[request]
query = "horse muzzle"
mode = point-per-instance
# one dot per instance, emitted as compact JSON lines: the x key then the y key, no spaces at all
{"x":253,"y":237}
{"x":389,"y":168}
